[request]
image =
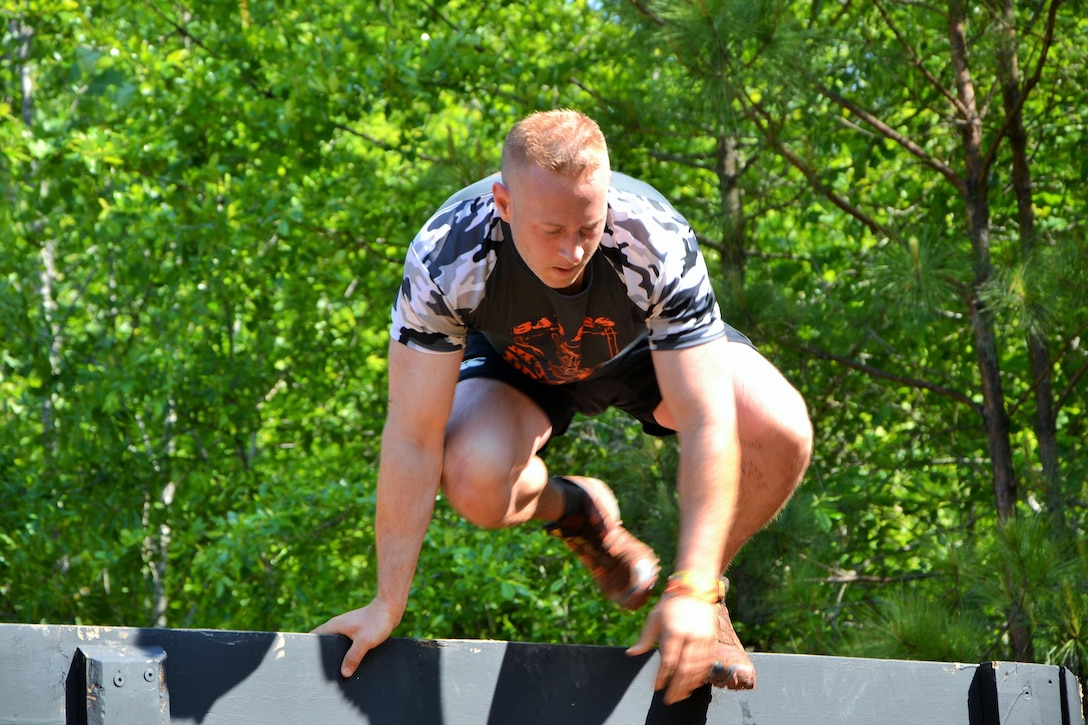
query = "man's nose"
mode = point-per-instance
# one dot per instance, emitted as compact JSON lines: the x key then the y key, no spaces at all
{"x":570,"y":248}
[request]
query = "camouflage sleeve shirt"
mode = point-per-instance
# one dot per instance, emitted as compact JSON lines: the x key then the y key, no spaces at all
{"x":646,"y":284}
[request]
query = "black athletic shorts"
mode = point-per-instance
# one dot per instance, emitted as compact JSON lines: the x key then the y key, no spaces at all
{"x":632,"y":388}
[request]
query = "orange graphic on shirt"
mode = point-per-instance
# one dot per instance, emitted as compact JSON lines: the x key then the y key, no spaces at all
{"x":542,"y":351}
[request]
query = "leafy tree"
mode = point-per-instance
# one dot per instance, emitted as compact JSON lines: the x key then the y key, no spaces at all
{"x":204,"y":215}
{"x":207,"y":209}
{"x":907,"y":261}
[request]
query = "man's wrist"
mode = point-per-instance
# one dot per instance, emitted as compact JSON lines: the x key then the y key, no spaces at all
{"x":392,"y":609}
{"x":685,"y":583}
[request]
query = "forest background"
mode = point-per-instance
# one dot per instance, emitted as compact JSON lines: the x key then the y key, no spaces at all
{"x":204,"y":215}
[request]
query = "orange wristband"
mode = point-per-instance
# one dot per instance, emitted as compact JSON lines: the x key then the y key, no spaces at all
{"x":686,"y":584}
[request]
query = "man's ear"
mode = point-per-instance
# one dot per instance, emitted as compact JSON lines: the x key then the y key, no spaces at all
{"x":502,"y":200}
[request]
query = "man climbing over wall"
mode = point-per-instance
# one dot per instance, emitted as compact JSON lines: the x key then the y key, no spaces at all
{"x":561,"y":287}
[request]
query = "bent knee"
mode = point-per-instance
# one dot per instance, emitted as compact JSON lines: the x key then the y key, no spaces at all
{"x":799,"y":438}
{"x":474,"y":494}
{"x":793,"y":426}
{"x":779,"y":425}
{"x":794,"y":442}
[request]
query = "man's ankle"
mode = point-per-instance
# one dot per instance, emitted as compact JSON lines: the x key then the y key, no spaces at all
{"x":574,"y":498}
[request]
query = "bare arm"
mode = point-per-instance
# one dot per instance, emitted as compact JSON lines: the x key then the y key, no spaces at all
{"x":698,"y":401}
{"x":421,"y":387}
{"x":698,"y":393}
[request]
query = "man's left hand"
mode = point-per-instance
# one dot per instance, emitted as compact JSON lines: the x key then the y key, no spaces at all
{"x":686,"y":630}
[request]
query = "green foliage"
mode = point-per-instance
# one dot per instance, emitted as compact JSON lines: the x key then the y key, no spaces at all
{"x":518,"y":585}
{"x":912,"y":626}
{"x":960,"y":616}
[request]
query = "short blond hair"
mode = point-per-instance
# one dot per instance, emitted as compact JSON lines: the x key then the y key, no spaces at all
{"x":562,"y":141}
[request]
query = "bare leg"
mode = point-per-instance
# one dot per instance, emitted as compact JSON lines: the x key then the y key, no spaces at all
{"x":493,"y":477}
{"x":775,"y":439}
{"x":491,"y":473}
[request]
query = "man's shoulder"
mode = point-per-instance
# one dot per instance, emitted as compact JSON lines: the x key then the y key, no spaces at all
{"x":460,"y":227}
{"x":475,"y":190}
{"x":635,"y":188}
{"x":643,"y":211}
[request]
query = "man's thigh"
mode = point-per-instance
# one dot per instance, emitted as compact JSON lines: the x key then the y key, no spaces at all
{"x":492,"y":422}
{"x":768,"y":405}
{"x":766,"y":402}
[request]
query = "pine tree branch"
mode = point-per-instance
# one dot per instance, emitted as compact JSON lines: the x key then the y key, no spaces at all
{"x":917,"y":62}
{"x":1073,"y":381}
{"x":1030,"y":391}
{"x":891,"y":134}
{"x":647,"y":13}
{"x":875,"y":372}
{"x":1029,"y":84}
{"x":762,"y":119}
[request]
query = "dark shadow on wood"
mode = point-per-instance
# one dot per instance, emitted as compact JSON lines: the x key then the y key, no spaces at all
{"x":982,"y":697}
{"x":549,"y":684}
{"x":537,"y":683}
{"x":1072,"y":698}
{"x":692,"y":711}
{"x":205,"y":664}
{"x":408,"y":671}
{"x":75,"y":695}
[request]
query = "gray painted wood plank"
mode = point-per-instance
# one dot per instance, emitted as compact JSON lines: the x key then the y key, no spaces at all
{"x":220,"y":677}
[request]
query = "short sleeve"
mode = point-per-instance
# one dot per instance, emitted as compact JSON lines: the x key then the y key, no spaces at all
{"x":665,"y":273}
{"x":444,"y":274}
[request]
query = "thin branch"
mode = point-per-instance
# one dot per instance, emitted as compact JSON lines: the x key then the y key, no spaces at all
{"x":1029,"y":84}
{"x":246,"y":77}
{"x":890,"y":133}
{"x":1072,"y":385}
{"x":756,"y":110}
{"x":384,"y":145}
{"x":649,"y":14}
{"x":1030,"y":391}
{"x":453,"y":26}
{"x":875,"y":372}
{"x":850,"y":577}
{"x":856,"y":127}
{"x":181,"y":29}
{"x":917,"y":62}
{"x":683,"y":160}
{"x":723,"y":48}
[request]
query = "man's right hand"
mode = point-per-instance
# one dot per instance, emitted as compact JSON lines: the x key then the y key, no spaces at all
{"x":367,"y":627}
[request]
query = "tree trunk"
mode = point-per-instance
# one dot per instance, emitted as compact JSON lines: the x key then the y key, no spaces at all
{"x":1046,"y":431}
{"x":995,"y":415}
{"x":23,"y":32}
{"x":727,"y":168}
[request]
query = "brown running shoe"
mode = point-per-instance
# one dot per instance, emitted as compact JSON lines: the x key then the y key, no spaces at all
{"x":732,"y":668}
{"x":624,"y":567}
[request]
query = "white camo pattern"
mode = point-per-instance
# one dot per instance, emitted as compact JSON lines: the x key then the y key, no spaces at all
{"x":649,"y":245}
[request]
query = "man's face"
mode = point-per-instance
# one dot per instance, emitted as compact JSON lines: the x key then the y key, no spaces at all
{"x":557,"y":221}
